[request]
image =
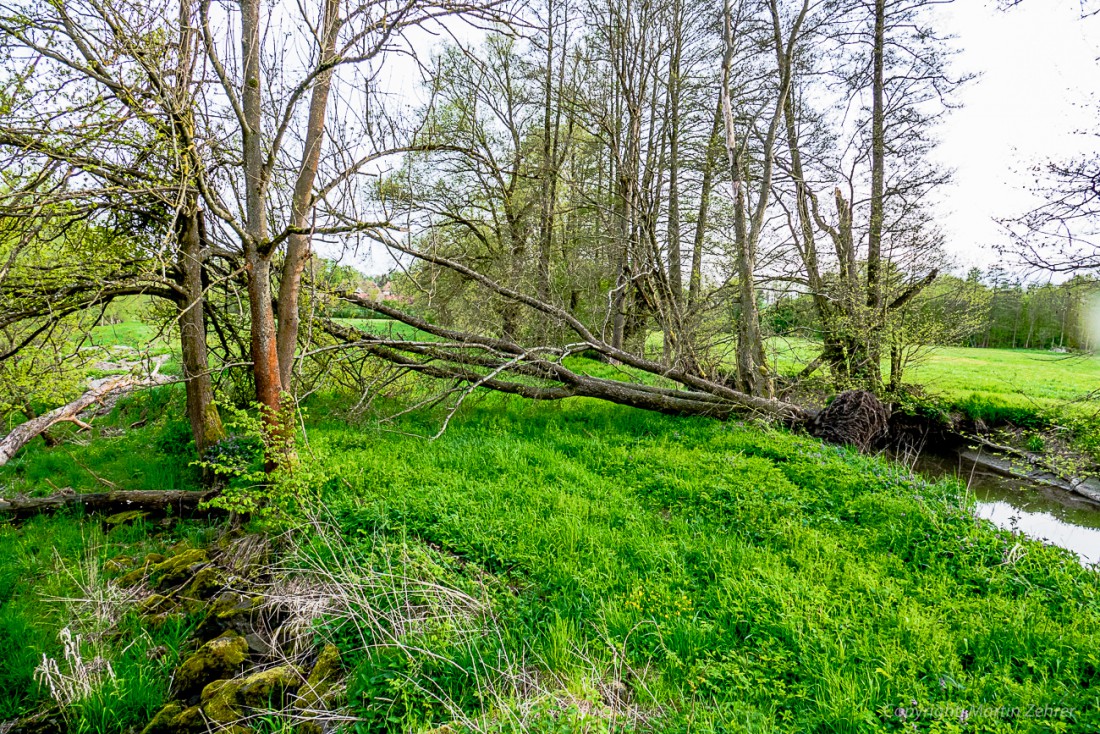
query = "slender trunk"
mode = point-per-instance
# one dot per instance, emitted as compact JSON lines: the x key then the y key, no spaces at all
{"x":549,"y":164}
{"x":695,"y":284}
{"x":896,"y":368}
{"x":257,"y":245}
{"x":206,"y":425}
{"x":265,"y":354}
{"x":675,"y":264}
{"x":191,"y":249}
{"x":878,"y":175}
{"x":298,"y":244}
{"x":511,"y":311}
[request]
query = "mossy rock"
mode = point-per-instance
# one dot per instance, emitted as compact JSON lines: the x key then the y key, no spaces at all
{"x":322,"y":679}
{"x":161,"y":721}
{"x":118,"y":564}
{"x":220,"y":658}
{"x":153,"y":558}
{"x":178,"y":568}
{"x":268,"y":688}
{"x":219,"y":701}
{"x":133,"y":578}
{"x":156,"y":604}
{"x":122,"y":518}
{"x":229,"y":611}
{"x":207,"y":582}
{"x":175,"y":718}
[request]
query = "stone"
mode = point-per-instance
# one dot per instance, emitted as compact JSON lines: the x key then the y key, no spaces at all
{"x":178,"y":568}
{"x":161,"y":721}
{"x":219,"y":701}
{"x":128,"y":516}
{"x":268,"y":688}
{"x":207,"y":582}
{"x":155,"y":604}
{"x":257,"y":644}
{"x":229,"y":611}
{"x":118,"y":565}
{"x":133,"y":578}
{"x":322,"y":679}
{"x":219,"y":658}
{"x":175,"y":718}
{"x":152,"y":558}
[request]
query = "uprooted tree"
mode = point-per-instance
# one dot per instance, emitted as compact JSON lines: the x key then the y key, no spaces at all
{"x":553,"y":195}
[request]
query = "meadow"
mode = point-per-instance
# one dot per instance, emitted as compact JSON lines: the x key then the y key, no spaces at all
{"x":634,"y":572}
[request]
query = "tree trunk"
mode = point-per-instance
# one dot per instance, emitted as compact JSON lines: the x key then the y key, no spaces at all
{"x":265,"y":355}
{"x":871,"y":368}
{"x":111,"y":387}
{"x":751,"y":366}
{"x":695,"y":283}
{"x":177,"y":502}
{"x":549,"y":178}
{"x":298,"y":243}
{"x":206,"y":424}
{"x":675,"y":258}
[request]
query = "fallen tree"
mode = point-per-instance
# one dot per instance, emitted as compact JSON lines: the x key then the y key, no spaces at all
{"x":101,"y":391}
{"x":179,"y":502}
{"x":475,"y":361}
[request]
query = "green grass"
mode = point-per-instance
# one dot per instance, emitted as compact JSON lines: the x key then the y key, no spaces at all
{"x":1014,"y":376}
{"x":386,"y":327}
{"x":1029,"y":380}
{"x":715,"y":577}
{"x":111,"y":455}
{"x":51,"y":579}
{"x":747,"y":580}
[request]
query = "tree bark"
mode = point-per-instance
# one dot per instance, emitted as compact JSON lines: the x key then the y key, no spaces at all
{"x":22,"y":434}
{"x":177,"y":502}
{"x":264,"y":350}
{"x":871,"y":369}
{"x":299,"y":242}
{"x":202,"y":413}
{"x":695,"y":283}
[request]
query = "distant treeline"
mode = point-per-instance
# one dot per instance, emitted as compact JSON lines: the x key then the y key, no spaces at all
{"x":986,"y":309}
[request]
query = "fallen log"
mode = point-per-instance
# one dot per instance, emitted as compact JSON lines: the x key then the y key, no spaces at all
{"x":110,"y":388}
{"x":173,"y":501}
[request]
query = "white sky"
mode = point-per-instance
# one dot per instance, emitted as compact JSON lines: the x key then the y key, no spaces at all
{"x":1038,"y":89}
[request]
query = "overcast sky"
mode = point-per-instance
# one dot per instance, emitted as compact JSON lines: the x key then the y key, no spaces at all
{"x":1038,"y":90}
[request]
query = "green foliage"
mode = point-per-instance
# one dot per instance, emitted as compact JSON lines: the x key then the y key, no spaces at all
{"x":257,"y":440}
{"x":646,"y":572}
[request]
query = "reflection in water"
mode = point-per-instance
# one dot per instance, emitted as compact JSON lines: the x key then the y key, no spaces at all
{"x":1038,"y":511}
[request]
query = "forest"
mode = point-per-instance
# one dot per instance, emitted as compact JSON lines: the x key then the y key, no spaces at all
{"x":534,"y":365}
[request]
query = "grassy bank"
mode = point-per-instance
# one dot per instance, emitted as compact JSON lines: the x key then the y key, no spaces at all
{"x":641,"y":572}
{"x":1025,"y":378}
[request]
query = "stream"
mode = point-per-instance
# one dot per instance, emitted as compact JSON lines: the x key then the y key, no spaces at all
{"x":1046,"y":513}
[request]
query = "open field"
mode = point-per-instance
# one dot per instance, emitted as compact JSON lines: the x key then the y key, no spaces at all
{"x":960,"y":376}
{"x":1018,"y":375}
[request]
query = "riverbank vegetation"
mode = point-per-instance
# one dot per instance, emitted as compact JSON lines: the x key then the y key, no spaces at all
{"x":599,"y":444}
{"x":637,"y":572}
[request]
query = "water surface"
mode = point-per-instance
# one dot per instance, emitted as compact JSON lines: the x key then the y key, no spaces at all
{"x":1041,"y":512}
